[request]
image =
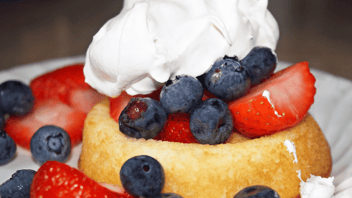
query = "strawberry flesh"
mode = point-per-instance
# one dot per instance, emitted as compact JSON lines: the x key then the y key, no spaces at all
{"x":278,"y":103}
{"x":177,"y":129}
{"x":55,"y":179}
{"x":62,"y":98}
{"x":46,"y":112}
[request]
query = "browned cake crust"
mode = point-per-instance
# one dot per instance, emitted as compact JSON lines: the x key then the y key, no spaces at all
{"x":198,"y":171}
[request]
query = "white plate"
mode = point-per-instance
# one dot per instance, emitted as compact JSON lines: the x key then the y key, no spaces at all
{"x":332,"y":110}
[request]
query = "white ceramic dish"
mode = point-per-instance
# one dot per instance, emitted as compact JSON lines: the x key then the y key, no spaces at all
{"x":332,"y":109}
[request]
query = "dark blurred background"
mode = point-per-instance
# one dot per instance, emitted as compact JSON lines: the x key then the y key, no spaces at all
{"x":318,"y":31}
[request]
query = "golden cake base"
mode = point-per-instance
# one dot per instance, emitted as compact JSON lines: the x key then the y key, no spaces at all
{"x":199,"y":171}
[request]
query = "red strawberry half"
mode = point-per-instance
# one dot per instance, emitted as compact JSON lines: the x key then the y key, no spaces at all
{"x":67,"y":85}
{"x":276,"y":104}
{"x":55,"y":179}
{"x":46,"y":112}
{"x":62,"y":98}
{"x":176,"y":129}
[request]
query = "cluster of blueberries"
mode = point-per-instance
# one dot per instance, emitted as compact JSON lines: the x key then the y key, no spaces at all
{"x":210,"y":120}
{"x":16,"y":99}
{"x":48,"y":143}
{"x":143,"y":176}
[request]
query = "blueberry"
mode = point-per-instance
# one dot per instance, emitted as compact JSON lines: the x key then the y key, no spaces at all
{"x":211,"y":122}
{"x":260,"y":63}
{"x":2,"y":119}
{"x":142,"y":118}
{"x":18,"y":185}
{"x":7,"y":148}
{"x":181,"y":94}
{"x":50,"y":143}
{"x":257,"y":192}
{"x":142,"y":176}
{"x":15,"y":97}
{"x":227,"y":79}
{"x":168,"y":195}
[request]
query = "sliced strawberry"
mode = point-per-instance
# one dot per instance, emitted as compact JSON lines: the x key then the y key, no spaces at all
{"x":278,"y":103}
{"x":84,"y":99}
{"x":46,"y":112}
{"x":207,"y":95}
{"x":176,"y":129}
{"x":67,"y":85}
{"x":119,"y":103}
{"x":55,"y":179}
{"x":62,"y":98}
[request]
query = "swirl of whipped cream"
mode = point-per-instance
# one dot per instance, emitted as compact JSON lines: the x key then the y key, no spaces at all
{"x":151,"y":41}
{"x":318,"y":187}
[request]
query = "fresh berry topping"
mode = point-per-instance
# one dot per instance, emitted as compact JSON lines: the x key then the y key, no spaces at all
{"x":260,"y":63}
{"x":276,"y":104}
{"x":68,"y":86}
{"x":176,"y":129}
{"x":50,"y":143}
{"x":46,"y":112}
{"x":7,"y":148}
{"x":119,"y":103}
{"x":181,"y":94}
{"x":168,"y":195}
{"x":62,"y":84}
{"x":211,"y":122}
{"x":54,"y":179}
{"x":227,"y":79}
{"x":18,"y":185}
{"x":257,"y":191}
{"x":142,"y":118}
{"x":15,"y":97}
{"x":142,"y":176}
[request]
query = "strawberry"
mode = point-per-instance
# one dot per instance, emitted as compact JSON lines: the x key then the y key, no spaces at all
{"x":46,"y":112}
{"x":207,"y":95}
{"x":276,"y":104}
{"x":176,"y":129}
{"x":62,"y":98}
{"x":55,"y":179}
{"x":67,"y":85}
{"x":119,"y":103}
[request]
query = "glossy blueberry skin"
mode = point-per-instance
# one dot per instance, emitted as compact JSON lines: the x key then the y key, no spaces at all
{"x":142,"y":176}
{"x":211,"y":122}
{"x":181,"y":94}
{"x":257,"y":191}
{"x":227,"y":79}
{"x":50,"y":143}
{"x":15,"y":97}
{"x":260,"y":63}
{"x":7,"y":148}
{"x":146,"y":122}
{"x":18,"y":185}
{"x":2,"y":119}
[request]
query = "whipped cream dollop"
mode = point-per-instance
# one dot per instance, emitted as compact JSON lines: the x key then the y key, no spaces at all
{"x":151,"y":41}
{"x":317,"y":187}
